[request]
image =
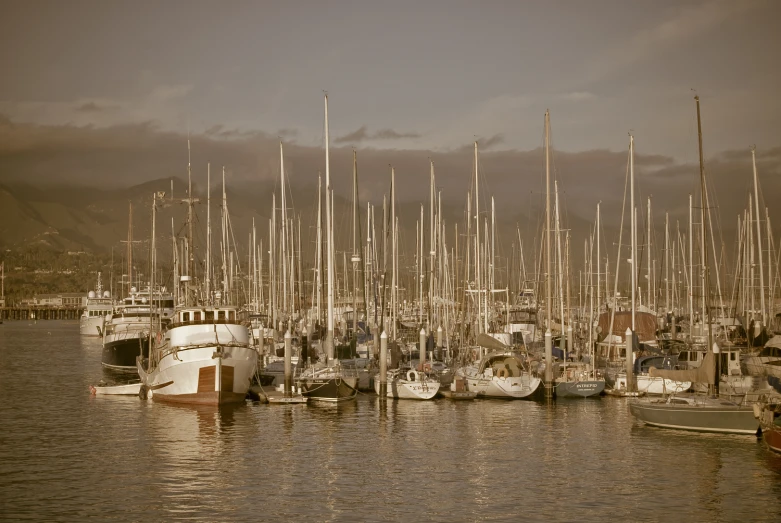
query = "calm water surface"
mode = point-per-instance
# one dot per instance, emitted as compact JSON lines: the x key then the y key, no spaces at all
{"x":66,"y":455}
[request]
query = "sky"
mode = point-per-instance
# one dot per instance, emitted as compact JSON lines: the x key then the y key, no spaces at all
{"x":429,"y":75}
{"x":107,"y":92}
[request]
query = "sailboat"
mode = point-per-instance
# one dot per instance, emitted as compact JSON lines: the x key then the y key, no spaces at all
{"x":693,"y":412}
{"x":328,"y":381}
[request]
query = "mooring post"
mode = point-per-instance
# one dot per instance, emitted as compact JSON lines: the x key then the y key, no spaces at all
{"x":288,"y":365}
{"x":383,"y":366}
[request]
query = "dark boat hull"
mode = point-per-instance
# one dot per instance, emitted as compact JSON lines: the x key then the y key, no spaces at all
{"x":121,"y":354}
{"x":724,"y":419}
{"x":579,"y":389}
{"x":329,"y":389}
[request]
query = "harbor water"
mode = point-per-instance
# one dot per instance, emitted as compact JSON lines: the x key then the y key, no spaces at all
{"x":66,"y":455}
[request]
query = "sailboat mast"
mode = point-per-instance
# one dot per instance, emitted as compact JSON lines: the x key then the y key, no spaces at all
{"x":431,"y":245}
{"x":478,"y":247}
{"x":704,"y":214}
{"x":599,"y":288}
{"x":208,"y":233}
{"x":649,"y":293}
{"x":759,"y":239}
{"x":130,"y":249}
{"x":548,"y":296}
{"x":283,"y":235}
{"x":393,"y":252}
{"x":355,"y":259}
{"x":633,"y":228}
{"x":329,"y":338}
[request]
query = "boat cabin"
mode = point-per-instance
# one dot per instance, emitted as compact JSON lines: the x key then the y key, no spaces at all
{"x":206,"y":315}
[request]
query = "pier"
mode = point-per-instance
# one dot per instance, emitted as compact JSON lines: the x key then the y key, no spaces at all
{"x":41,"y":312}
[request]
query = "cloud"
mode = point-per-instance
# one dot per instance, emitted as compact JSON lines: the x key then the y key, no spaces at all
{"x":362,"y":134}
{"x":358,"y":135}
{"x":93,"y":107}
{"x":390,"y":134}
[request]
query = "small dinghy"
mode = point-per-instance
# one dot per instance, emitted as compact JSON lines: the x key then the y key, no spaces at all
{"x":124,"y":389}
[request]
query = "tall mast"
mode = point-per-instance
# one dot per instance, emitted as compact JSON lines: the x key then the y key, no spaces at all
{"x":667,"y":262}
{"x":319,"y":250}
{"x":649,"y":294}
{"x":283,"y":236}
{"x":704,"y":215}
{"x":329,"y":337}
{"x":431,"y":244}
{"x":208,"y":233}
{"x":548,"y":294}
{"x":130,"y":249}
{"x":599,"y":263}
{"x":759,"y":238}
{"x":633,"y":227}
{"x":190,"y":257}
{"x":477,"y":247}
{"x":394,"y":283}
{"x":355,"y":258}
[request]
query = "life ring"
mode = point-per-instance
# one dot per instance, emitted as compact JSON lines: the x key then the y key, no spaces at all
{"x":427,"y":367}
{"x":412,"y":375}
{"x":502,"y":373}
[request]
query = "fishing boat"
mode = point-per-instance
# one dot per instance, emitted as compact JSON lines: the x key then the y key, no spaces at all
{"x":99,"y":307}
{"x":205,"y":359}
{"x":128,"y":328}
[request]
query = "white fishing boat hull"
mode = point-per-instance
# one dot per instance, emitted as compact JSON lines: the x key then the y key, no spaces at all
{"x":208,"y":375}
{"x":208,"y":364}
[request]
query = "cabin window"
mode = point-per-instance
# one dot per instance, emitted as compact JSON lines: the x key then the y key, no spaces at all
{"x":197,"y":316}
{"x":209,"y":315}
{"x":232,"y":315}
{"x":684,"y":356}
{"x":732,"y":356}
{"x":185,"y":317}
{"x":220,"y":315}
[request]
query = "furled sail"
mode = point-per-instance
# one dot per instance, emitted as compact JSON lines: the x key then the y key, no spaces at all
{"x":490,"y":343}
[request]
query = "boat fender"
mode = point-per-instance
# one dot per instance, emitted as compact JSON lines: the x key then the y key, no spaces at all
{"x":502,"y":373}
{"x":412,"y":375}
{"x":142,"y":392}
